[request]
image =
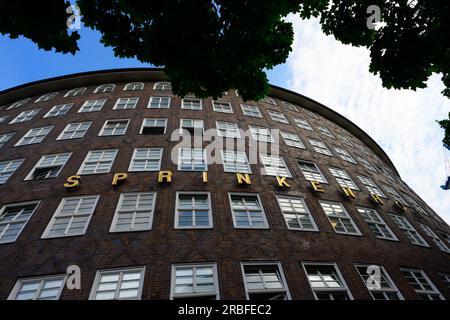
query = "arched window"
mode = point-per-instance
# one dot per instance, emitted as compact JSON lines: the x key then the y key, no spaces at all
{"x":104,"y":88}
{"x":268,"y":100}
{"x":18,"y":103}
{"x":75,"y":92}
{"x":47,"y":97}
{"x":162,"y":86}
{"x":134,"y":86}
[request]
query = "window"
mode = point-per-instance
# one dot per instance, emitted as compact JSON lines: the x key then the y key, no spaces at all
{"x":312,"y":115}
{"x":135,"y":86}
{"x":268,"y":100}
{"x":71,"y":217}
{"x":162,"y":86}
{"x":146,"y":159}
{"x":75,"y":92}
{"x":118,"y":284}
{"x":227,"y":129}
{"x":261,"y":134}
{"x":345,"y":140}
{"x":376,"y":224}
{"x":251,"y":111}
{"x":105,"y":88}
{"x":302,"y":124}
{"x":126,"y":103}
{"x":386,"y":173}
{"x":339,"y":218}
{"x":235,"y":161}
{"x":49,"y":166}
{"x":58,"y":111}
{"x":296,"y":213}
{"x":265,"y":281}
{"x":423,"y":286}
{"x":7,"y":169}
{"x":33,"y":136}
{"x":311,"y":171}
{"x":42,"y":288}
{"x":366,"y":164}
{"x":343,"y":178}
{"x":4,"y":138}
{"x":193,"y":211}
{"x":195,"y":282}
{"x":98,"y":161}
{"x":320,"y":147}
{"x":224,"y":107}
{"x":114,"y":127}
{"x":326,"y":281}
{"x":247,"y":211}
{"x":18,"y":103}
{"x":3,"y":119}
{"x":191,"y":104}
{"x":13,"y":219}
{"x":408,"y":230}
{"x":278,"y":116}
{"x":25,"y":116}
{"x":194,"y":126}
{"x":159,"y":103}
{"x":290,"y":106}
{"x":415,"y":205}
{"x":92,"y":106}
{"x":394,"y":194}
{"x":437,"y":241}
{"x":383,"y":288}
{"x":134,"y":212}
{"x":445,"y":279}
{"x":154,"y":126}
{"x":47,"y":97}
{"x":325,"y":132}
{"x":371,"y":186}
{"x":292,"y":139}
{"x":74,"y":130}
{"x":275,"y":166}
{"x":192,"y":159}
{"x":344,"y":155}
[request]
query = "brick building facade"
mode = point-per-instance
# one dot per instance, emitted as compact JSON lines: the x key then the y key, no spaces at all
{"x":188,"y":238}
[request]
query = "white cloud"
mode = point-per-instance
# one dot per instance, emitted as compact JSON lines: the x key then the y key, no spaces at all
{"x":401,"y":121}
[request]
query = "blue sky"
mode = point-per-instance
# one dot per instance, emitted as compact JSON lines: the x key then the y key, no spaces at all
{"x":401,"y":121}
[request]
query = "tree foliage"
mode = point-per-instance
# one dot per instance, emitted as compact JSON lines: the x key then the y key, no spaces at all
{"x":208,"y":47}
{"x":445,"y":124}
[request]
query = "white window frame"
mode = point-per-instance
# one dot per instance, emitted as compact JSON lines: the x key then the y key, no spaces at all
{"x":98,"y":103}
{"x":192,"y":104}
{"x":47,"y":97}
{"x":36,"y":135}
{"x":320,"y":147}
{"x":292,"y":140}
{"x":437,"y":241}
{"x":215,"y":294}
{"x":325,"y":131}
{"x":408,"y":230}
{"x":4,"y":138}
{"x":228,"y":129}
{"x":371,"y":186}
{"x":343,"y":178}
{"x":119,"y":210}
{"x":18,"y":104}
{"x":263,"y":213}
{"x":25,"y":116}
{"x":269,"y":100}
{"x":302,"y":123}
{"x":16,"y":219}
{"x":344,"y":287}
{"x":163,"y":85}
{"x":278,"y":116}
{"x":377,"y":223}
{"x":344,"y":155}
{"x":38,"y":165}
{"x":101,"y":88}
{"x":312,"y":173}
{"x":41,"y":280}
{"x":367,"y":164}
{"x":232,"y":167}
{"x":75,"y":92}
{"x":117,"y":121}
{"x":57,"y":214}
{"x":274,"y":166}
{"x":338,"y":217}
{"x":393,"y":288}
{"x":256,"y":132}
{"x":160,"y":105}
{"x":177,"y":213}
{"x":154,"y":126}
{"x":307,"y":213}
{"x":7,"y":170}
{"x":121,"y":271}
{"x":422,"y":291}
{"x":126,"y":101}
{"x":78,"y":124}
{"x":194,"y":128}
{"x":284,"y":290}
{"x":251,"y":111}
{"x":218,"y":106}
{"x":85,"y":161}
{"x":59,"y":110}
{"x":134,"y":86}
{"x":133,"y":159}
{"x":204,"y":160}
